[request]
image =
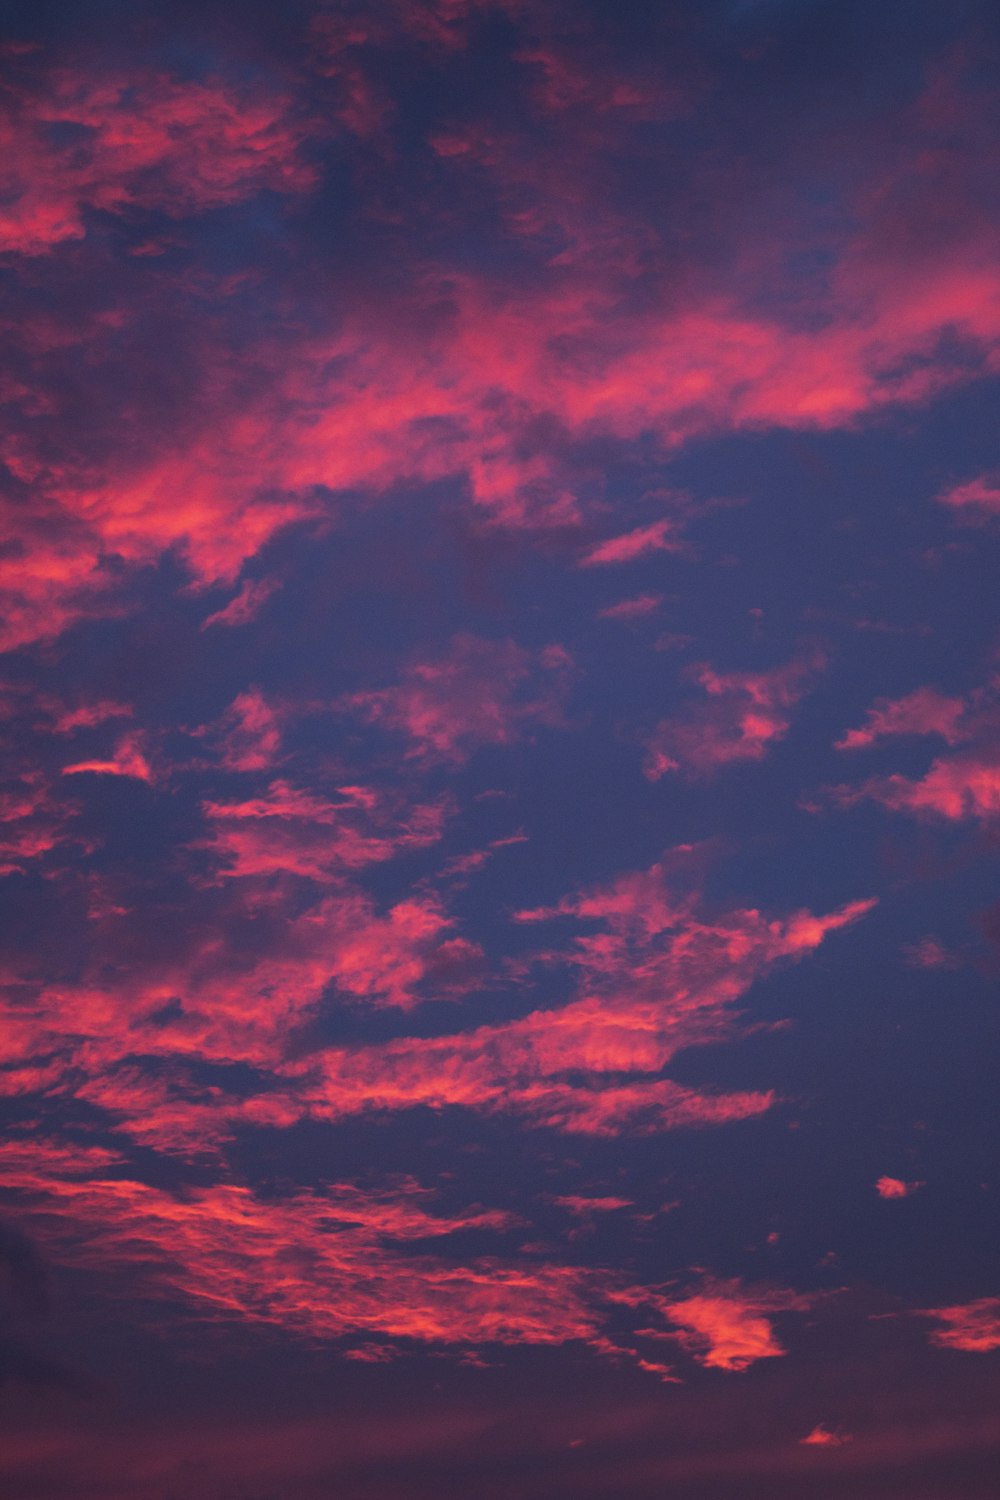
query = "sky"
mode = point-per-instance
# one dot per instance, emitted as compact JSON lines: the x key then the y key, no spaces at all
{"x":499,"y":759}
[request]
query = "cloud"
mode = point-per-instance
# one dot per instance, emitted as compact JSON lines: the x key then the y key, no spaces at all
{"x":895,"y":1187}
{"x":327,"y":1264}
{"x":88,"y":715}
{"x":930,"y":953}
{"x":249,"y":733}
{"x":825,"y":1437}
{"x":971,"y":1326}
{"x":77,"y":142}
{"x":245,"y":605}
{"x":481,"y":693}
{"x":924,"y":711}
{"x":128,"y":759}
{"x":976,"y":499}
{"x":288,"y":829}
{"x":256,"y":972}
{"x":632,"y":609}
{"x":725,"y":1325}
{"x":344,"y":1262}
{"x":744,"y":715}
{"x":657,"y":537}
{"x":33,"y":822}
{"x":964,"y":784}
{"x":956,"y":788}
{"x":656,"y":981}
{"x":459,"y":371}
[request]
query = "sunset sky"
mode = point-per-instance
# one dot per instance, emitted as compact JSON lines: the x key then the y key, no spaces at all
{"x":500,"y":787}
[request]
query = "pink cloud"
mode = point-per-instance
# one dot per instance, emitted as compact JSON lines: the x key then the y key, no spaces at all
{"x":632,"y":609}
{"x":33,"y":821}
{"x":652,"y":984}
{"x":88,"y":715}
{"x":655,"y":978}
{"x":929,"y":953}
{"x":825,"y":1437}
{"x":924,"y":711}
{"x":495,"y":396}
{"x":298,"y":832}
{"x":246,"y":605}
{"x":129,"y":759}
{"x":895,"y":1187}
{"x":147,"y":141}
{"x":745,"y":714}
{"x":978,"y":497}
{"x":347,"y":1263}
{"x":971,"y":1326}
{"x":657,"y":537}
{"x":249,"y":735}
{"x":480,"y":693}
{"x":726,"y":1326}
{"x":956,"y":787}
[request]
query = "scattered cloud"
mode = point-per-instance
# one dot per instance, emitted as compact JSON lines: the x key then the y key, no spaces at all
{"x":970,"y":1326}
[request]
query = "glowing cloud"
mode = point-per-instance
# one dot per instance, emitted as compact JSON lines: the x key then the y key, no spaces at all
{"x":745,"y":714}
{"x":924,"y":711}
{"x":725,"y":1325}
{"x":481,"y":693}
{"x":895,"y":1187}
{"x":977,"y":497}
{"x":971,"y":1326}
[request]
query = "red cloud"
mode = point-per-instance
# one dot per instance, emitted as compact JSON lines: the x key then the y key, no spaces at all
{"x":295,"y":831}
{"x":924,"y":711}
{"x":929,"y":953}
{"x":481,"y":693}
{"x":463,"y":376}
{"x":980,"y":497}
{"x":32,"y":822}
{"x":956,"y":787}
{"x":246,"y":605}
{"x":347,"y":1263}
{"x":632,"y":609}
{"x":972,"y":1326}
{"x":745,"y":714}
{"x":250,"y":733}
{"x":895,"y":1187}
{"x":656,"y":982}
{"x":143,"y":141}
{"x":823,"y":1437}
{"x":88,"y":715}
{"x":626,"y":548}
{"x":129,"y":759}
{"x":724,"y":1324}
{"x":323,"y":1265}
{"x":657,"y":979}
